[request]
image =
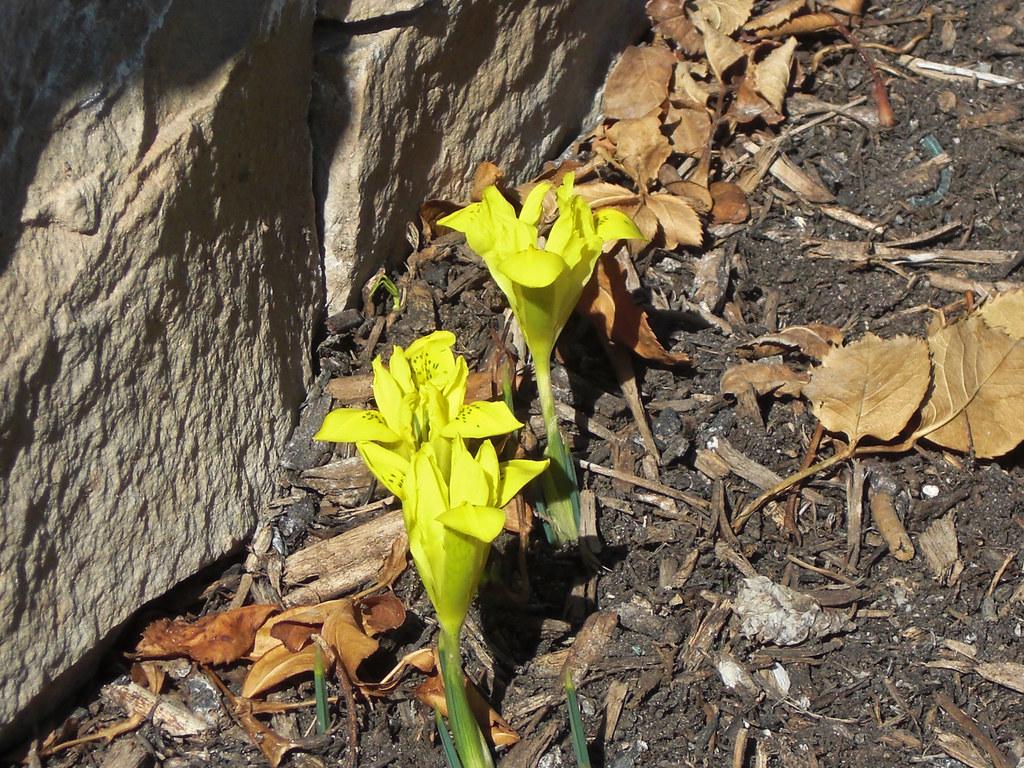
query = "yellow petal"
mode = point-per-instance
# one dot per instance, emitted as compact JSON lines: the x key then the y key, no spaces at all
{"x":475,"y":224}
{"x":482,"y":419}
{"x":515,"y":474}
{"x":388,"y":396}
{"x":468,"y":482}
{"x":615,"y":225}
{"x":431,"y":359}
{"x":400,"y":370}
{"x":387,"y":466}
{"x":534,"y":204}
{"x":482,"y":523}
{"x":350,"y":425}
{"x":487,"y":458}
{"x":533,"y":267}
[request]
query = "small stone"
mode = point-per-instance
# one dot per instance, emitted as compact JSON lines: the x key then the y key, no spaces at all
{"x":947,"y":101}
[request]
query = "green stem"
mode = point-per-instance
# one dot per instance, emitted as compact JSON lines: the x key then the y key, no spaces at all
{"x":320,"y":687}
{"x":579,"y":735}
{"x":469,"y":740}
{"x":561,"y":490}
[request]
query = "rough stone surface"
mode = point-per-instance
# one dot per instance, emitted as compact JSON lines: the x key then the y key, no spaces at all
{"x":158,"y":284}
{"x":406,"y":106}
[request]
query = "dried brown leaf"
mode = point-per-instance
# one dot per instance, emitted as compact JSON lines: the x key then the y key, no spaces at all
{"x":602,"y":194}
{"x":486,"y":174}
{"x":499,"y":732}
{"x":276,"y":666}
{"x":688,"y":86}
{"x":608,"y":304}
{"x":765,"y":378}
{"x":813,"y":340}
{"x":1005,"y":312}
{"x":977,"y":399}
{"x":730,"y":203}
{"x":670,"y":19}
{"x":696,"y":196}
{"x":723,"y":52}
{"x":807,"y":24}
{"x":380,"y":613}
{"x":215,"y":639}
{"x":342,"y":632}
{"x":692,"y":130}
{"x":748,"y":105}
{"x":638,"y":83}
{"x":771,"y":76}
{"x":640,"y":147}
{"x":680,"y":224}
{"x":776,"y":14}
{"x":273,"y":746}
{"x":870,"y":387}
{"x":726,"y":16}
{"x":311,"y":616}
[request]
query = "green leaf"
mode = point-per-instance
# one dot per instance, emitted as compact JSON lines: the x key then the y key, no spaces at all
{"x":350,"y":425}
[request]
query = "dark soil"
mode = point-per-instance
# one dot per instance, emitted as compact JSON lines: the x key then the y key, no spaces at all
{"x":865,"y":696}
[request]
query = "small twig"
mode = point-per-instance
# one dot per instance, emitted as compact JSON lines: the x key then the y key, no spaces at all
{"x":999,"y":760}
{"x":350,"y":712}
{"x":789,"y":521}
{"x":886,"y":118}
{"x":641,"y":482}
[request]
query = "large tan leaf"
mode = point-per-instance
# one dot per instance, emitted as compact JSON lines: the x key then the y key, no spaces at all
{"x":312,"y":616}
{"x":1006,"y":313}
{"x":342,"y":631}
{"x":977,"y":399}
{"x":638,"y":83}
{"x":776,"y":14}
{"x":679,"y":222}
{"x":725,"y":15}
{"x":640,"y":147}
{"x":608,"y":304}
{"x":722,"y":51}
{"x":771,"y":78}
{"x":870,"y":387}
{"x":214,"y":639}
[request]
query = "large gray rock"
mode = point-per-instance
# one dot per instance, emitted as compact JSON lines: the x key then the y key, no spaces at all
{"x":158,"y":287}
{"x":409,"y":96}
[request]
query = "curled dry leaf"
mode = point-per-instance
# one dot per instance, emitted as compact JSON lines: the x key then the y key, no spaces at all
{"x":679,"y":222}
{"x":1006,"y":313}
{"x":638,"y":83}
{"x":499,"y":732}
{"x":730,"y":203}
{"x":977,"y":398}
{"x":486,"y":174}
{"x":381,"y":613}
{"x":807,"y":24}
{"x":870,"y":387}
{"x":726,"y":16}
{"x":776,"y":14}
{"x":608,"y":304}
{"x":748,"y":105}
{"x":771,"y":77}
{"x":276,"y":666}
{"x":215,"y":639}
{"x":688,"y":86}
{"x":640,"y":147}
{"x":602,"y":194}
{"x":813,"y":340}
{"x":670,"y":19}
{"x":273,"y":746}
{"x":695,"y":195}
{"x":765,"y":378}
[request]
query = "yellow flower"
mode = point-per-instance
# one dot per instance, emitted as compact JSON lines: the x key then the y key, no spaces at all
{"x":452,"y":517}
{"x":542,"y":284}
{"x":420,"y":396}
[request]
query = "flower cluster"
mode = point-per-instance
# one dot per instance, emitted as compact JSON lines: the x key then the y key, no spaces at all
{"x":417,"y":445}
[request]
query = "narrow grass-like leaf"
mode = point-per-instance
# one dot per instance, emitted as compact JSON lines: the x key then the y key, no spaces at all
{"x":446,"y":741}
{"x":320,"y":686}
{"x":579,"y":736}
